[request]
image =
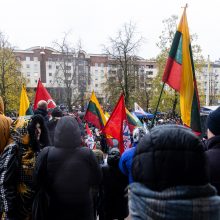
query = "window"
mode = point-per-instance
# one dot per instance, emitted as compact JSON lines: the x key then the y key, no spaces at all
{"x":102,"y":65}
{"x":27,"y":58}
{"x":50,"y":59}
{"x":35,"y":66}
{"x":57,"y":67}
{"x":50,"y":74}
{"x":35,"y":74}
{"x":96,"y":85}
{"x":28,"y":66}
{"x":28,"y":74}
{"x":50,"y":66}
{"x":149,"y":72}
{"x":68,"y":67}
{"x":150,"y":66}
{"x":50,"y":81}
{"x":35,"y":58}
{"x":96,"y":64}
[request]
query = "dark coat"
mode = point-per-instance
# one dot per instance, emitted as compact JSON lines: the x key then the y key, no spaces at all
{"x":170,"y":156}
{"x":43,"y":113}
{"x":71,"y":171}
{"x":51,"y":125}
{"x":213,"y":154}
{"x":115,"y":200}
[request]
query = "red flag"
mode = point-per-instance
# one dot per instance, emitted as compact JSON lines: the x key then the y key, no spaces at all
{"x":117,"y":125}
{"x":43,"y":94}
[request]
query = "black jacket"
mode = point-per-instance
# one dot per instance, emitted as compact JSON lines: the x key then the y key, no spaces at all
{"x":51,"y":125}
{"x":170,"y":156}
{"x":213,"y":154}
{"x":71,"y":171}
{"x":43,"y":113}
{"x":115,"y":200}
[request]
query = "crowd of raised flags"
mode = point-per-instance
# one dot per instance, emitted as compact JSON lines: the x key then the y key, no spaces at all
{"x":179,"y":74}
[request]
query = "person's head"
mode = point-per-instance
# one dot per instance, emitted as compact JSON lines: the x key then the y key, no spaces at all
{"x":67,"y":133}
{"x":1,"y":106}
{"x":213,"y":123}
{"x":138,"y":133}
{"x":113,"y":157}
{"x":42,"y":104}
{"x":19,"y":131}
{"x":99,"y":155}
{"x":38,"y":131}
{"x":169,"y":156}
{"x":57,"y":113}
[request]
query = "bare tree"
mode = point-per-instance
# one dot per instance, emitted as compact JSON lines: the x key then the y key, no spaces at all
{"x":68,"y":71}
{"x":122,"y":50}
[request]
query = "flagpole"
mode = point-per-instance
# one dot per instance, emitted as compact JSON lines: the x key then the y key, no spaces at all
{"x":155,"y":113}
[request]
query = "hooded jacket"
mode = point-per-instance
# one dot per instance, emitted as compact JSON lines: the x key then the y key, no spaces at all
{"x":70,"y":172}
{"x":213,"y":154}
{"x":5,"y":123}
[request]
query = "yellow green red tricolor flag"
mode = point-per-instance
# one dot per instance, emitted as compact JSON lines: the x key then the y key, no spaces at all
{"x":25,"y":108}
{"x":180,"y":75}
{"x":94,"y":113}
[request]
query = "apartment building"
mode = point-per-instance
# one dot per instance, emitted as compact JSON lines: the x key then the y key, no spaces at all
{"x":83,"y":72}
{"x":209,"y":80}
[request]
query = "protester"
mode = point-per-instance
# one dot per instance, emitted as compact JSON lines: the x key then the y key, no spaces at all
{"x":42,"y":110}
{"x":56,"y":115}
{"x":213,"y":147}
{"x":4,"y":127}
{"x":115,"y":201}
{"x":171,"y":179}
{"x":127,"y":157}
{"x":67,"y":172}
{"x":17,"y":164}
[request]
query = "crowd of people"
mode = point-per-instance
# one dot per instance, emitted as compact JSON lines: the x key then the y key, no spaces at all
{"x":48,"y":170}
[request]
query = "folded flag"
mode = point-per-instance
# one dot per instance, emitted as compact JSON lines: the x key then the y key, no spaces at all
{"x":25,"y":108}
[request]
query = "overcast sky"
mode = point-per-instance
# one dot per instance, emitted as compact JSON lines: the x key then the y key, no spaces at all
{"x":31,"y":23}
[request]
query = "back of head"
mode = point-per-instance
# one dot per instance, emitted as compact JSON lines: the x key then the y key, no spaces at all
{"x":1,"y":106}
{"x":57,"y":112}
{"x":213,"y":122}
{"x":138,"y":134}
{"x":42,"y":104}
{"x":168,"y":156}
{"x":113,"y":157}
{"x":67,"y":133}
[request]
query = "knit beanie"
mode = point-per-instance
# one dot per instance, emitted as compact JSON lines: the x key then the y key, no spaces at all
{"x":57,"y":112}
{"x":213,"y":122}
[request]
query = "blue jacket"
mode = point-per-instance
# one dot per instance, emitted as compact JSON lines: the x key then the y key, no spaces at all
{"x":125,"y":162}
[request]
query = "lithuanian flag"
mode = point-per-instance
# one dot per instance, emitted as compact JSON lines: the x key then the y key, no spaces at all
{"x":94,"y":113}
{"x":180,"y":75}
{"x":132,"y":121}
{"x":25,"y":108}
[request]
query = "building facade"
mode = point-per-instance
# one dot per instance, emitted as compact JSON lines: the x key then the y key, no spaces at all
{"x":82,"y":72}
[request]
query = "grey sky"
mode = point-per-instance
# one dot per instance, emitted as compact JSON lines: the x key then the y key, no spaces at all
{"x":38,"y":23}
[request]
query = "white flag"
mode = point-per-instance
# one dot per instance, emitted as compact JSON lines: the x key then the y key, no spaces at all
{"x":138,"y":109}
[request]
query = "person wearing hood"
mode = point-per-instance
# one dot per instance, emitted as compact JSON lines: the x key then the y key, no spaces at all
{"x":16,"y":167}
{"x":5,"y":123}
{"x":114,"y":189}
{"x":213,"y":147}
{"x":67,"y":172}
{"x":171,"y":179}
{"x":42,"y":110}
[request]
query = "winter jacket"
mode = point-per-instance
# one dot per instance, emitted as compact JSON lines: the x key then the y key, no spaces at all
{"x":182,"y":203}
{"x":5,"y":123}
{"x":213,"y":154}
{"x":168,"y":156}
{"x":69,"y":174}
{"x":17,"y":163}
{"x":43,"y":113}
{"x":115,"y":200}
{"x":125,"y":162}
{"x":51,"y":125}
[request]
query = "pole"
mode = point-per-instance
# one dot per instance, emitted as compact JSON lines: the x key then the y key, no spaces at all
{"x":155,"y":113}
{"x":208,"y":83}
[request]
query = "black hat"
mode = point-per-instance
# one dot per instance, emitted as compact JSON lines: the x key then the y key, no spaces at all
{"x":57,"y":112}
{"x":213,"y":122}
